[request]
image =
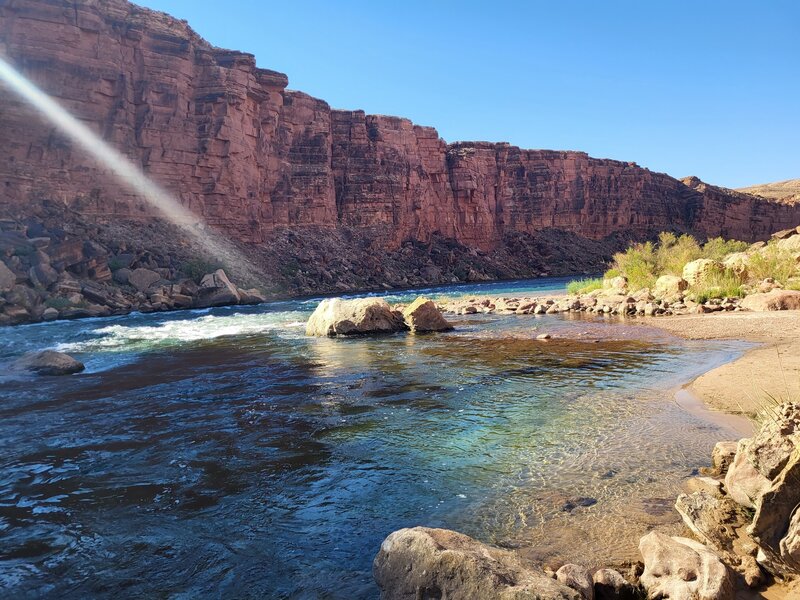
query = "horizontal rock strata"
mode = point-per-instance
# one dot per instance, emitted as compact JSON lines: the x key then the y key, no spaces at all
{"x":250,"y":156}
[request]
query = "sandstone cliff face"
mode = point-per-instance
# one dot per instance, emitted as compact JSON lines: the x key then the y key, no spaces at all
{"x":252,"y":157}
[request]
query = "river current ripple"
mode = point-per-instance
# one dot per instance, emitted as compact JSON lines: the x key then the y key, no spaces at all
{"x":221,"y":453}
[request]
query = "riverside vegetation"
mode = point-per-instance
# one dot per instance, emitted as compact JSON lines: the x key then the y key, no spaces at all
{"x":675,"y":275}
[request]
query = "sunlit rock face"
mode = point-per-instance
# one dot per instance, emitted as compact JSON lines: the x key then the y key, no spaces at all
{"x":251,"y":156}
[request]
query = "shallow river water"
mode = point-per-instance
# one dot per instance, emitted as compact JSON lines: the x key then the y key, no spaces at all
{"x":222,"y":453}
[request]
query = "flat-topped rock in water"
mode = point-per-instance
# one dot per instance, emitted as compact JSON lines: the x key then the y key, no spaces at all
{"x":437,"y":563}
{"x":358,"y":316}
{"x":49,"y":362}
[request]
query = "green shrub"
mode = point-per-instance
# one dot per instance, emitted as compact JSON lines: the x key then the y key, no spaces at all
{"x":722,"y":284}
{"x":774,"y":262}
{"x":642,"y":264}
{"x":718,"y":248}
{"x":197,"y":267}
{"x":674,"y":252}
{"x":638,"y":265}
{"x":584,"y":286}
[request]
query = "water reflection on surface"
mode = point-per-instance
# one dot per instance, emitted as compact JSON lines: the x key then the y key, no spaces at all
{"x":223,"y":453}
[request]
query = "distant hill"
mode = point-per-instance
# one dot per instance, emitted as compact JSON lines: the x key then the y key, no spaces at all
{"x":780,"y":190}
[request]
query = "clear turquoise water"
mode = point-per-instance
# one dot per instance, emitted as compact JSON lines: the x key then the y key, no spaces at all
{"x":222,"y":453}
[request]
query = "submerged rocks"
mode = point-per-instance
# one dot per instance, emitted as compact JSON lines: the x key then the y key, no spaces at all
{"x":683,"y":569}
{"x":359,"y":316}
{"x":49,"y":362}
{"x":437,"y":563}
{"x":736,"y":547}
{"x":422,"y":316}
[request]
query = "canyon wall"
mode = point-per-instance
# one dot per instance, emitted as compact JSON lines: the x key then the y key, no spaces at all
{"x":234,"y":145}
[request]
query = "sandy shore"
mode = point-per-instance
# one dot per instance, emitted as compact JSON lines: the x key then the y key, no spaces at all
{"x":744,"y":386}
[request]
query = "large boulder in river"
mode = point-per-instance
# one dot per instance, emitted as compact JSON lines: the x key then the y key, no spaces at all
{"x":359,"y":316}
{"x":683,"y":569}
{"x":216,"y":290}
{"x":49,"y":362}
{"x":423,"y":316}
{"x":437,"y":563}
{"x":774,"y":300}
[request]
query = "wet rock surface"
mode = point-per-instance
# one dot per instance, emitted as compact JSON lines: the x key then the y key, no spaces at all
{"x":49,"y":362}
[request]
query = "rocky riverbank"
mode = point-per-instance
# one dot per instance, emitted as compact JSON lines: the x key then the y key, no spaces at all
{"x":57,"y":264}
{"x":742,"y":531}
{"x":615,"y":300}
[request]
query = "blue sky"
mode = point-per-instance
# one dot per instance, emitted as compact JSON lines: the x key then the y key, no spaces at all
{"x":708,"y":88}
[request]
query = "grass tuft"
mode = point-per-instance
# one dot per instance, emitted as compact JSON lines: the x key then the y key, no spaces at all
{"x":584,"y":286}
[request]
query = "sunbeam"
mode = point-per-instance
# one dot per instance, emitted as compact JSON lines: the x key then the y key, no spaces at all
{"x":129,"y":174}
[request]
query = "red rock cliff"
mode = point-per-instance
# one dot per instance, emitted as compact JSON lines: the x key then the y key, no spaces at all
{"x":249,"y":155}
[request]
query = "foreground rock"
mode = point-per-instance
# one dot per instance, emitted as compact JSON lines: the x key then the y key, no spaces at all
{"x":748,"y":527}
{"x":49,"y":362}
{"x":774,"y":300}
{"x":437,"y":563}
{"x":611,"y":585}
{"x":359,"y":316}
{"x":577,"y":578}
{"x":683,"y":569}
{"x":422,"y":316}
{"x":700,"y":270}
